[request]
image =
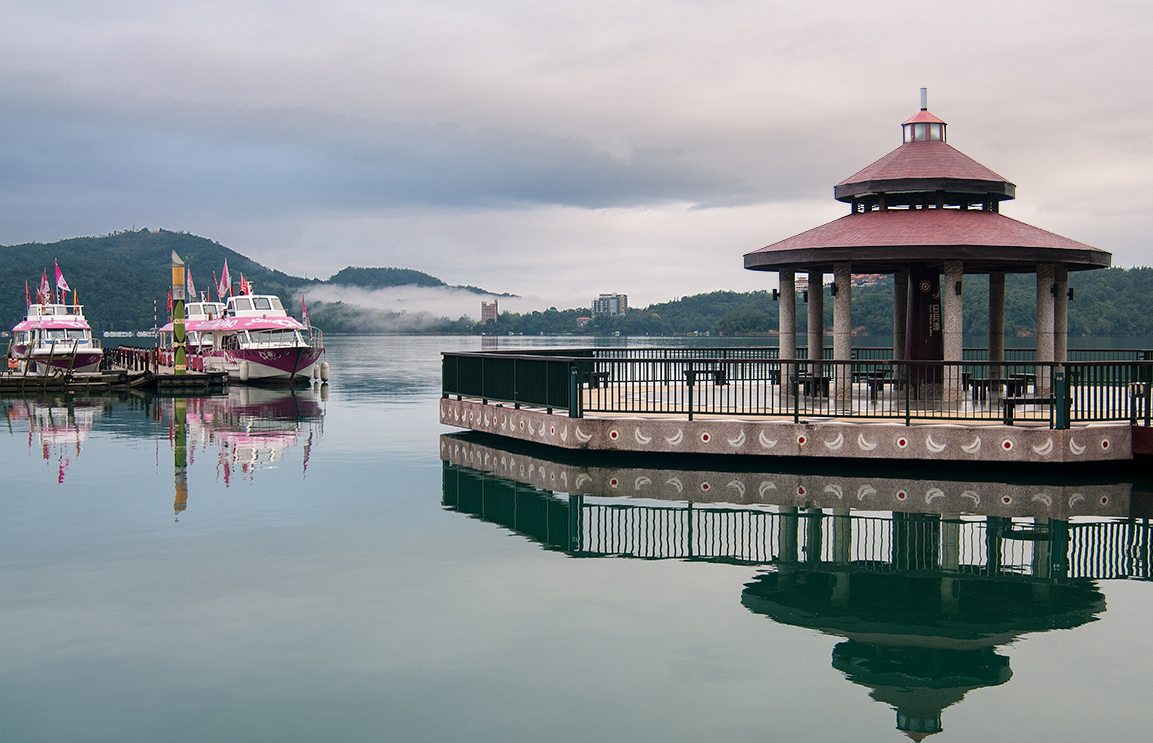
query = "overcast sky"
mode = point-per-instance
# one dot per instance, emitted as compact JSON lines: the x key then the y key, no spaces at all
{"x":554,"y":150}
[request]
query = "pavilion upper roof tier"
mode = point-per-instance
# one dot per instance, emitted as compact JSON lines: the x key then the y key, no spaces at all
{"x":925,"y":170}
{"x":897,"y":239}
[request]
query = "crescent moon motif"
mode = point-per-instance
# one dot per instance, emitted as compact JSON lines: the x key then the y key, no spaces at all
{"x":738,"y":440}
{"x":933,"y":446}
{"x":865,"y":445}
{"x":766,"y":442}
{"x":836,"y":443}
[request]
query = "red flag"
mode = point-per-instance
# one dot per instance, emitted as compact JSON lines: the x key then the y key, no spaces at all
{"x":45,"y":289}
{"x":304,"y":311}
{"x":170,"y":300}
{"x":27,"y":293}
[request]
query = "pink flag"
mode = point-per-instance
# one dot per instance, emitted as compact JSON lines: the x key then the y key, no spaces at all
{"x":28,"y":293}
{"x":304,"y":311}
{"x":225,"y":285}
{"x":45,"y":289}
{"x":191,"y":286}
{"x":61,"y":284}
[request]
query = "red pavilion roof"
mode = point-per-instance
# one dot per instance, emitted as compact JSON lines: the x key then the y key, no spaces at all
{"x":897,"y":238}
{"x":924,"y":117}
{"x":924,"y":160}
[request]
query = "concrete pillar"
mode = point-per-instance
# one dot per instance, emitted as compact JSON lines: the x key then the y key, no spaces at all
{"x":842,"y":536}
{"x":787,"y":322}
{"x":996,"y":324}
{"x":814,"y":535}
{"x":900,"y":313}
{"x":952,"y":327}
{"x":950,"y":564}
{"x":787,"y":534}
{"x":816,"y":315}
{"x":1060,"y":314}
{"x":843,"y":330}
{"x":787,"y":328}
{"x":1044,"y":325}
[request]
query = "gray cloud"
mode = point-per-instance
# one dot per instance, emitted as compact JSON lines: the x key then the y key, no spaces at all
{"x":552,"y":150}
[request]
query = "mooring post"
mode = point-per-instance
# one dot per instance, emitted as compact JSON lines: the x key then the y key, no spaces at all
{"x":574,"y":391}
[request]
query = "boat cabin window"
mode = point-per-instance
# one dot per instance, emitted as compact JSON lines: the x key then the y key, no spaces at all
{"x":229,"y":342}
{"x":242,"y":305}
{"x":77,"y":335}
{"x":276,"y":305}
{"x":261,"y":303}
{"x":276,"y":337}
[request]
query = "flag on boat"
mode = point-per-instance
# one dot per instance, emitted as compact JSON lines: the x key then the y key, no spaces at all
{"x":245,"y":287}
{"x":225,"y":285}
{"x":61,"y":284}
{"x":170,"y":301}
{"x":191,"y":287}
{"x":28,"y":293}
{"x":45,"y":288}
{"x":304,"y":311}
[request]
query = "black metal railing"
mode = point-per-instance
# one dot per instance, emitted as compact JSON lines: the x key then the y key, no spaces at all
{"x":665,"y":381}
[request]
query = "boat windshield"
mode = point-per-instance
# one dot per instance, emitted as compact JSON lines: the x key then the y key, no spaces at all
{"x":276,"y":338}
{"x":61,"y":334}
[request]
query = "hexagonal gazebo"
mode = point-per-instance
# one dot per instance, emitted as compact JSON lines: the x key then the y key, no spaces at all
{"x":921,"y":212}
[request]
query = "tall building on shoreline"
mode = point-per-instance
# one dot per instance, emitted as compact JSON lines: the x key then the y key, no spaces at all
{"x":611,"y":304}
{"x":488,"y":311}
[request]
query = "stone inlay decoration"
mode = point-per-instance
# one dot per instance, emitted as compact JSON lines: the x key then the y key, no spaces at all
{"x":851,"y":440}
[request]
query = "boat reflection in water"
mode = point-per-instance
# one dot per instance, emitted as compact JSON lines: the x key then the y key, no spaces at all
{"x":57,"y":424}
{"x":925,"y":577}
{"x":249,"y":428}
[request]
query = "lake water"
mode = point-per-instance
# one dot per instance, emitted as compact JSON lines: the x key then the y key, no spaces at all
{"x":315,"y":572}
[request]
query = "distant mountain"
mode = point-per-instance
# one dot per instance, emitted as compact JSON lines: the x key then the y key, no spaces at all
{"x":119,"y":276}
{"x":387,"y":278}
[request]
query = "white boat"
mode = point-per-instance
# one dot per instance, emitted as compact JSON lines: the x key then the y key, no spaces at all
{"x":197,"y":344}
{"x":56,"y":336}
{"x":255,"y":340}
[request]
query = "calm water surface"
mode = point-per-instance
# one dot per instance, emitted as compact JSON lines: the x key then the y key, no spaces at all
{"x":315,"y":572}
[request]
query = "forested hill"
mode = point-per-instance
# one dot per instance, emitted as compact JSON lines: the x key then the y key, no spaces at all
{"x":1111,"y":302}
{"x":118,"y":276}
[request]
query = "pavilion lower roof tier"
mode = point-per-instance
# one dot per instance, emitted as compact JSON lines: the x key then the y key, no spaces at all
{"x":899,"y":239}
{"x":933,"y":169}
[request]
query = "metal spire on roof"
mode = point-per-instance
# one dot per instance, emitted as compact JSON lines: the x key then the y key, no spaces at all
{"x":924,"y":99}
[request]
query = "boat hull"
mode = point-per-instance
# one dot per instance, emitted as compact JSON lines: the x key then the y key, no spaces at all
{"x":267,"y":364}
{"x":86,"y":361}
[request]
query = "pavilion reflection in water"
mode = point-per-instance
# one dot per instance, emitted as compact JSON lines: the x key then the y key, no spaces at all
{"x":924,"y":578}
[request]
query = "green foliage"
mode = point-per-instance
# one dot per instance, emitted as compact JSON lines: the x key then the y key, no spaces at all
{"x":118,"y":276}
{"x":381,"y":278}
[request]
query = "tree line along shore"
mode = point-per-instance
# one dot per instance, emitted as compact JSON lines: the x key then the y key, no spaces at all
{"x":119,"y":276}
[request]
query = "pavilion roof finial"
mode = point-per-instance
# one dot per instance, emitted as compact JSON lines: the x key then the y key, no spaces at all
{"x":924,"y":99}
